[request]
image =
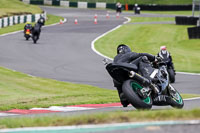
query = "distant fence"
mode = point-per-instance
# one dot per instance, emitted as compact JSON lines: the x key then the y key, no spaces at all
{"x":18,"y":19}
{"x":143,"y":2}
{"x":194,"y":32}
{"x":110,"y":4}
{"x":184,"y":20}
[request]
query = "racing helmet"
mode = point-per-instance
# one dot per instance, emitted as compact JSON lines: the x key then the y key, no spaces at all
{"x":163,"y":49}
{"x":41,"y":21}
{"x":122,"y":49}
{"x":28,"y":23}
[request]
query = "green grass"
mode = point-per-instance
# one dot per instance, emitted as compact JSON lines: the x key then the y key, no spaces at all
{"x":188,"y":13}
{"x":150,"y":19}
{"x":15,"y":7}
{"x":22,"y":92}
{"x":185,"y":96}
{"x":177,"y":13}
{"x":101,"y":118}
{"x":149,"y":37}
{"x":51,"y":20}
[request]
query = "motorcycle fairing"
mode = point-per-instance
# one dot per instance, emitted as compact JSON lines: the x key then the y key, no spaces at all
{"x":120,"y":72}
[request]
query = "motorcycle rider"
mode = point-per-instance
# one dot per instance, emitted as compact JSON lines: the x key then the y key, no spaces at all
{"x":141,"y":60}
{"x":36,"y":30}
{"x":118,"y":7}
{"x":166,"y":56}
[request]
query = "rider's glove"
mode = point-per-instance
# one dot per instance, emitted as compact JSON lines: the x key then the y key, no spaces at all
{"x":158,"y":59}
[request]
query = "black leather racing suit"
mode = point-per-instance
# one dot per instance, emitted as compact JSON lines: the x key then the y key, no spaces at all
{"x":130,"y":58}
{"x":36,"y":30}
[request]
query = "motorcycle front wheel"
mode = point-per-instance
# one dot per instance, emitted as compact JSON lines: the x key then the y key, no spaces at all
{"x":176,"y":99}
{"x":131,"y":89}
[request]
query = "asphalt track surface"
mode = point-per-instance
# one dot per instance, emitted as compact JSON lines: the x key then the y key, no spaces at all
{"x":64,"y":53}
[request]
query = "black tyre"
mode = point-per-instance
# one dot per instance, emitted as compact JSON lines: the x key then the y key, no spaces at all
{"x":27,"y":37}
{"x":35,"y":41}
{"x":35,"y":38}
{"x":130,"y":89}
{"x":176,"y":100}
{"x":171,"y":75}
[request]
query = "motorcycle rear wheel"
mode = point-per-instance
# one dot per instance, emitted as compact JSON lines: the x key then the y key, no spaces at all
{"x":176,"y":99}
{"x":27,"y":37}
{"x":130,"y":88}
{"x":35,"y":38}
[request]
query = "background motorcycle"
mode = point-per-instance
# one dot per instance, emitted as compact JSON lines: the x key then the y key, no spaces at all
{"x":140,"y":92}
{"x":36,"y":32}
{"x":27,"y":33}
{"x":170,"y":70}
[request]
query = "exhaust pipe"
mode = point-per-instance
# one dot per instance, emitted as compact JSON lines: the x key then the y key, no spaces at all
{"x":143,"y":80}
{"x":139,"y":78}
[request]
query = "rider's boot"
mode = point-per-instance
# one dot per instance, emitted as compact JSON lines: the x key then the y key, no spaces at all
{"x":123,"y":100}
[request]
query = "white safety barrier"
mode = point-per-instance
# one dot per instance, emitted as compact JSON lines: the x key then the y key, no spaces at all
{"x":5,"y":21}
{"x":21,"y":19}
{"x":0,"y":23}
{"x":16,"y":19}
{"x":100,"y":5}
{"x":37,"y":16}
{"x":44,"y":15}
{"x":64,"y":3}
{"x":12,"y":20}
{"x":48,"y":2}
{"x":29,"y":18}
{"x":26,"y":1}
{"x":82,"y":4}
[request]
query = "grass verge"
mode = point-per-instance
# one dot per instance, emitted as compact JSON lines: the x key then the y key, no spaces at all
{"x":16,"y":7}
{"x":100,"y":118}
{"x":52,"y":19}
{"x":149,"y":37}
{"x":187,"y":13}
{"x":23,"y":92}
{"x":151,"y":19}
